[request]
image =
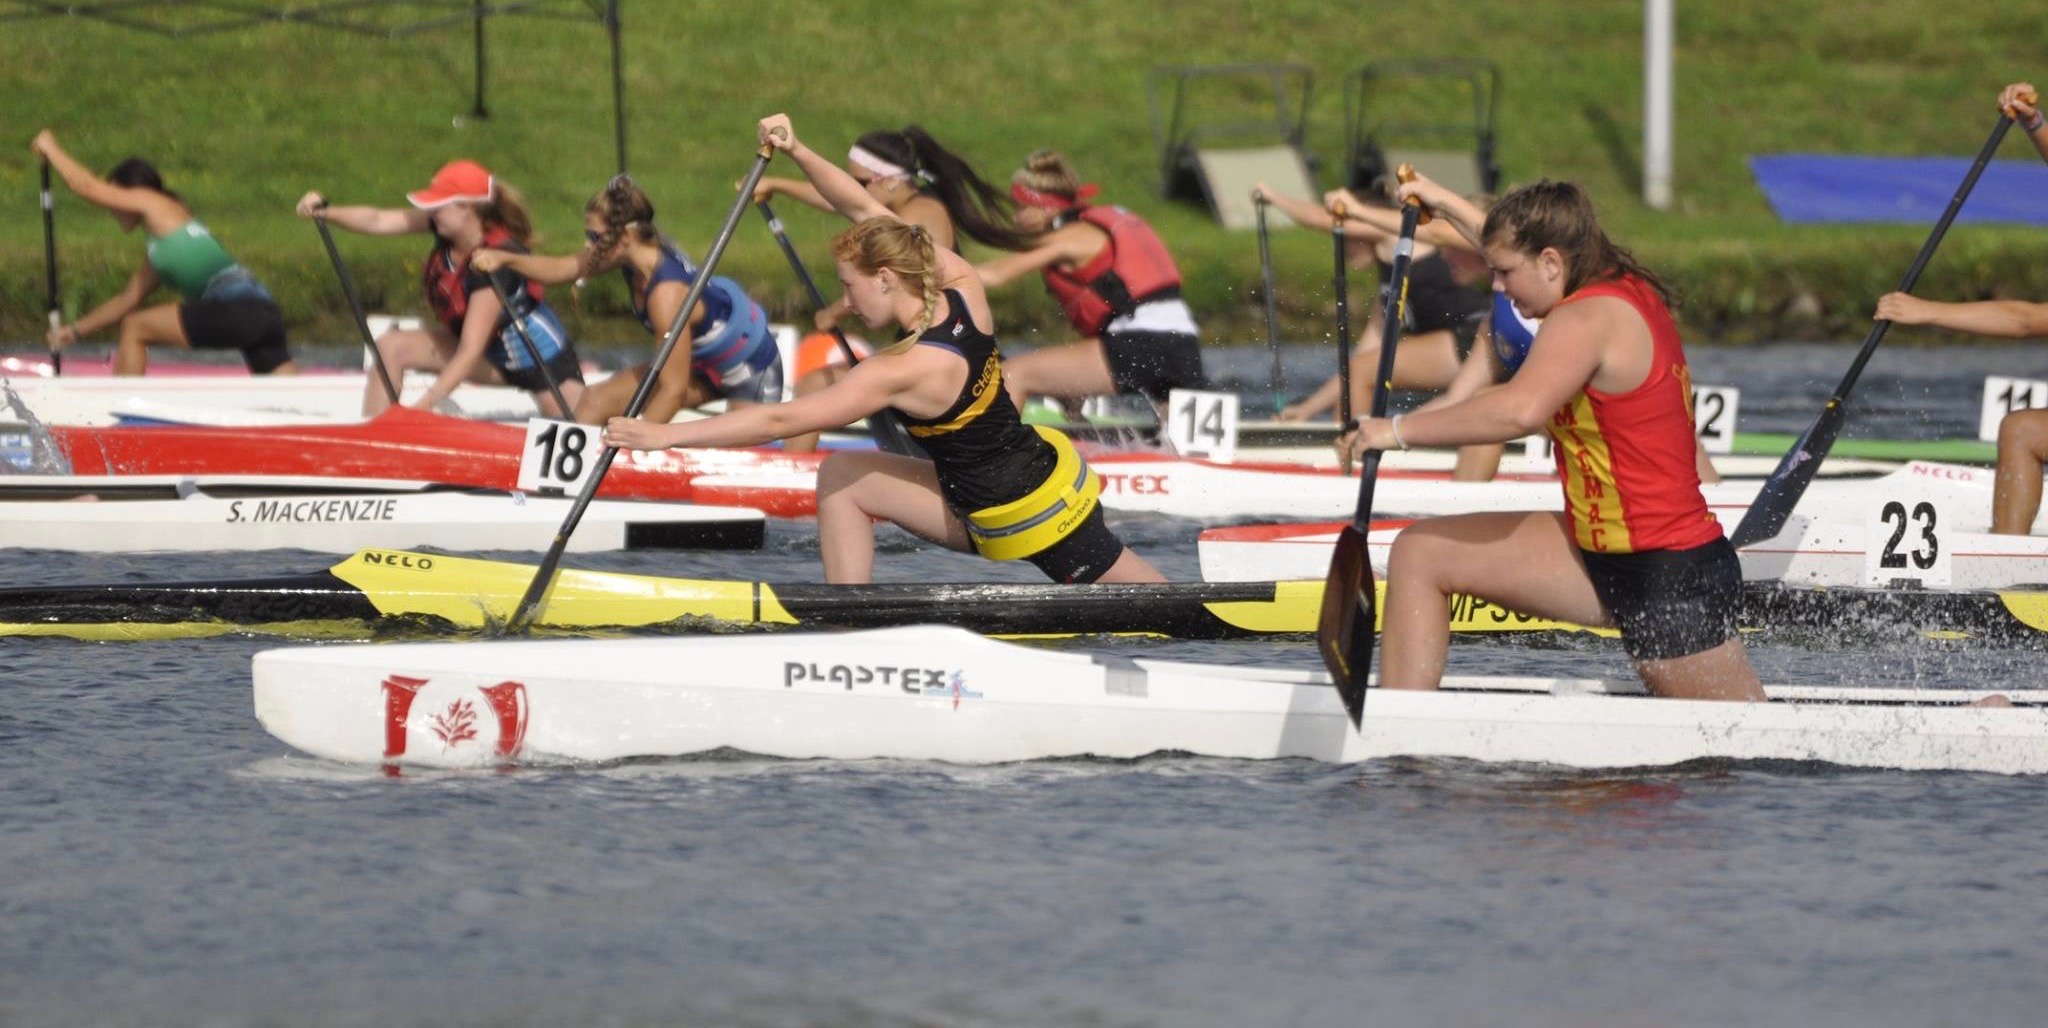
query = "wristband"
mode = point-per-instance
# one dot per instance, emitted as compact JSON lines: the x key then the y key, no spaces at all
{"x":2034,"y":123}
{"x":1394,"y":425}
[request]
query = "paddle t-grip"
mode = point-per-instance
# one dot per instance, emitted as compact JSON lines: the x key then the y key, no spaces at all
{"x":1406,"y":173}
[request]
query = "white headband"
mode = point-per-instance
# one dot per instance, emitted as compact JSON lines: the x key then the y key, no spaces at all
{"x":867,"y":159}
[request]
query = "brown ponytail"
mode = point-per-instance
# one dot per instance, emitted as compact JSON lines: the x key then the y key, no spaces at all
{"x":507,"y":209}
{"x":1559,"y":216}
{"x":623,"y":205}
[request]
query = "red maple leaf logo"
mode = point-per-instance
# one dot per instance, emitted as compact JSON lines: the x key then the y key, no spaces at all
{"x":456,"y":725}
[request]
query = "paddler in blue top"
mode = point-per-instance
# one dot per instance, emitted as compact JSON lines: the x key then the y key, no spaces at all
{"x":732,"y":353}
{"x":473,"y":338}
{"x":221,"y":305}
{"x":993,"y":486}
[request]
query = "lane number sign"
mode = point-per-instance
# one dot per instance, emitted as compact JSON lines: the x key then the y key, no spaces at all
{"x":1202,"y":424}
{"x":2002,"y":396}
{"x":559,"y":456}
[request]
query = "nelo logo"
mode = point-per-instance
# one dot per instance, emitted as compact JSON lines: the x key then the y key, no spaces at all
{"x":416,"y":562}
{"x":450,"y":719}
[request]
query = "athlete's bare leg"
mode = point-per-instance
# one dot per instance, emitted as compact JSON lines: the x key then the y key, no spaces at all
{"x":140,"y":330}
{"x":2016,"y":492}
{"x":1523,"y":560}
{"x":1478,"y":462}
{"x":856,"y":489}
{"x":402,"y":350}
{"x":1528,"y":562}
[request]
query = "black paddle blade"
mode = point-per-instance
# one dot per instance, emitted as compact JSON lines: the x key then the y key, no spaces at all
{"x":1781,"y":492}
{"x":1344,"y":632}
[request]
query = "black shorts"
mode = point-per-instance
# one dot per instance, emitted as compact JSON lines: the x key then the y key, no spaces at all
{"x":1154,"y":363}
{"x":1464,"y":332}
{"x":563,"y":366}
{"x":1084,"y":555}
{"x":1670,"y":603}
{"x":251,"y":324}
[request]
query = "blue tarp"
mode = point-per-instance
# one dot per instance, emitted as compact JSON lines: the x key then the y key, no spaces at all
{"x":1809,"y":188}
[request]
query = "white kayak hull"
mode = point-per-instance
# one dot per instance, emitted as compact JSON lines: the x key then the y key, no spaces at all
{"x":241,"y":400}
{"x":1827,"y":544}
{"x":158,"y":513}
{"x":944,"y":694}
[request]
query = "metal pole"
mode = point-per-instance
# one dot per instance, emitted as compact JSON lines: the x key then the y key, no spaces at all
{"x":611,"y":22}
{"x":476,"y":8}
{"x":1657,"y":103}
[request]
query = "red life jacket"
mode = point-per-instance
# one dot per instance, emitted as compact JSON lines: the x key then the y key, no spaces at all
{"x":1131,"y":270}
{"x":443,"y":277}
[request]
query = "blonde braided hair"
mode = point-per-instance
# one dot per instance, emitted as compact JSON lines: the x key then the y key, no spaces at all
{"x":902,"y":247}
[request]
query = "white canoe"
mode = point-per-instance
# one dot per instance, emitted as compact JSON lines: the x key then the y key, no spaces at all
{"x":927,"y":693}
{"x":1156,"y":484}
{"x":229,"y":399}
{"x":138,"y":513}
{"x":1828,"y":544}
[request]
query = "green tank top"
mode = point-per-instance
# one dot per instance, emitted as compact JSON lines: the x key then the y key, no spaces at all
{"x":188,"y":259}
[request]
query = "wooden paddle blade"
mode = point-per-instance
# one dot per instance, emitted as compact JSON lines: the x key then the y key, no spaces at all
{"x":1344,"y":632}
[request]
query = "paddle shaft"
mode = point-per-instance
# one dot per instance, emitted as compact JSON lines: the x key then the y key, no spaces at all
{"x":1342,"y":286}
{"x":529,"y":604}
{"x":1344,"y":631}
{"x":889,"y":432}
{"x":1781,"y":492}
{"x":355,"y":306}
{"x":1260,"y":203}
{"x":50,"y":266}
{"x":1395,"y":310}
{"x":532,"y":352}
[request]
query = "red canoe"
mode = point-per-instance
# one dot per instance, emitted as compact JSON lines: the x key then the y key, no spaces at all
{"x":401,"y":443}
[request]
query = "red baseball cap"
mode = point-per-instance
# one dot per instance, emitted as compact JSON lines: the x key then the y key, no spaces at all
{"x":456,"y":182}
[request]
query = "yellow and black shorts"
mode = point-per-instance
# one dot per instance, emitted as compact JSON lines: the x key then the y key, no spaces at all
{"x":1058,"y":526}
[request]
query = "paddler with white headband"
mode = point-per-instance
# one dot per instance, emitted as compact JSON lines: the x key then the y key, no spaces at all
{"x":921,"y":183}
{"x":993,"y":485}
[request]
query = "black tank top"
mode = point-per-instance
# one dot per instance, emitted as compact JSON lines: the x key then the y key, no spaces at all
{"x":983,"y":452}
{"x":1435,"y":299}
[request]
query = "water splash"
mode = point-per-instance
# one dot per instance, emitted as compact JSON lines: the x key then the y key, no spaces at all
{"x":44,"y":457}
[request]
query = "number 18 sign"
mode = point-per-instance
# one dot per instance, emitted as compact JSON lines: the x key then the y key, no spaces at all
{"x":559,"y":456}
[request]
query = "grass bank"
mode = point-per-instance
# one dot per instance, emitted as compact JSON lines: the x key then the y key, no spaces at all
{"x":243,"y":122}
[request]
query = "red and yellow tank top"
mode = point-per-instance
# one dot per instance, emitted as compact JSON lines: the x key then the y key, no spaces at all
{"x":1626,"y":459}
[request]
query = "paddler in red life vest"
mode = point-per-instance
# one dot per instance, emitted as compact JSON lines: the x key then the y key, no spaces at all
{"x":732,"y":353}
{"x":1115,"y":280}
{"x":466,"y":209}
{"x":919,"y":181}
{"x":1636,"y":548}
{"x":993,"y":485}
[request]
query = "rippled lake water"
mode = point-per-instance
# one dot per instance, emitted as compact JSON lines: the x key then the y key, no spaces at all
{"x":167,"y":862}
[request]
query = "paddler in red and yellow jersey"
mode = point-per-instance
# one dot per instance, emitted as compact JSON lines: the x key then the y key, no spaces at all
{"x":1636,"y":547}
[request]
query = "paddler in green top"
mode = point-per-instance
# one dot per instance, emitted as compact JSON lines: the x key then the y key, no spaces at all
{"x":220,"y":305}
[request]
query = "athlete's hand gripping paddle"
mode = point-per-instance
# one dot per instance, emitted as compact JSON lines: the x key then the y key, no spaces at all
{"x":1259,"y":204}
{"x":889,"y":432}
{"x":532,"y":352}
{"x":355,"y":303}
{"x":50,"y":265}
{"x":1344,"y":631}
{"x":529,"y":605}
{"x":1781,"y":492}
